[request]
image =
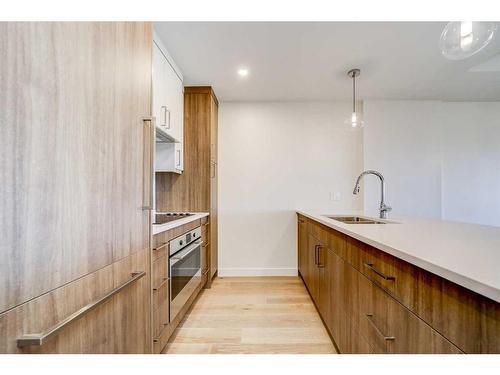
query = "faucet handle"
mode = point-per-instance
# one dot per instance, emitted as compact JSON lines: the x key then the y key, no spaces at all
{"x":385,"y":208}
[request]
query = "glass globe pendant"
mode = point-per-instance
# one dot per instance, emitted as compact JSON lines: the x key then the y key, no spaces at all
{"x":355,"y":121}
{"x":460,"y":40}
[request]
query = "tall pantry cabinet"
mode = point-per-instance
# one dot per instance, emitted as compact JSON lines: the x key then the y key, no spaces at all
{"x":196,"y":189}
{"x":76,"y":141}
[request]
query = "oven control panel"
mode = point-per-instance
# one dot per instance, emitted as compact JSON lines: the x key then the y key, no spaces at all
{"x":183,"y":240}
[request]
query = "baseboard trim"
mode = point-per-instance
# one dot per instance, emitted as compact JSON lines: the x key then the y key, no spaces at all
{"x":235,"y":272}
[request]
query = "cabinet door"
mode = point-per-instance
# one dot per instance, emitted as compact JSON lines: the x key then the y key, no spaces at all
{"x":72,"y":160}
{"x":302,"y":249}
{"x":214,"y":216}
{"x":326,"y":270}
{"x":174,"y":99}
{"x":312,"y":281}
{"x":120,"y":324}
{"x":159,"y":100}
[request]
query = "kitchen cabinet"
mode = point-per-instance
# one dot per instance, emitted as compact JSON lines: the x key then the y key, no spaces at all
{"x":117,"y":325}
{"x":196,"y":189}
{"x":162,"y":326}
{"x":168,"y":109}
{"x":313,"y":271}
{"x":372,"y":302}
{"x":303,"y":258}
{"x":76,"y":175}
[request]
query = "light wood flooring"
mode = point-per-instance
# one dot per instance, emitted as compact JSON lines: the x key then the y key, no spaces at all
{"x":252,"y":315}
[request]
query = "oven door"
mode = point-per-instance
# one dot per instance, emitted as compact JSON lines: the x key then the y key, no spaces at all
{"x":185,"y":276}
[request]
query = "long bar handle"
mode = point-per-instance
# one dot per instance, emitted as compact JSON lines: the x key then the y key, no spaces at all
{"x":370,"y":320}
{"x":316,"y":254}
{"x":214,"y":165}
{"x":39,"y":339}
{"x":385,"y":277}
{"x":149,"y":124}
{"x":320,"y":265}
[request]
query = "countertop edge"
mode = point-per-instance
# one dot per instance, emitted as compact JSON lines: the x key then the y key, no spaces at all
{"x":464,"y":281}
{"x":160,"y":228}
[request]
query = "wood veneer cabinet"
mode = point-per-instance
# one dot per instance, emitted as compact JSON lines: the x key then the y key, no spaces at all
{"x":75,"y":151}
{"x":369,"y":299}
{"x":196,"y":189}
{"x":160,"y":284}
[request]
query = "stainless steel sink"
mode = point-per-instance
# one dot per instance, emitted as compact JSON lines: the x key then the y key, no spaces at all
{"x":355,"y":220}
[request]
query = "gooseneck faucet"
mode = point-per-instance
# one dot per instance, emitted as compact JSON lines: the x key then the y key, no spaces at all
{"x":383,"y":207}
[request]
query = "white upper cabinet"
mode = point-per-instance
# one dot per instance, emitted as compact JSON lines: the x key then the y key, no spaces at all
{"x":168,"y":108}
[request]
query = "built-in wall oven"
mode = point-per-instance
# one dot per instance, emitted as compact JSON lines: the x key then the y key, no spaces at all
{"x":185,"y":269}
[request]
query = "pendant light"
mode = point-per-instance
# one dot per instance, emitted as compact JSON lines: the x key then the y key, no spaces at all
{"x":355,"y":121}
{"x":460,"y":40}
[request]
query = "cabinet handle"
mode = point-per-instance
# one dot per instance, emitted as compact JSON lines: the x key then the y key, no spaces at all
{"x":163,"y":112}
{"x":167,"y":115}
{"x":214,"y":165}
{"x":320,"y":265}
{"x":147,"y":177}
{"x":316,"y":254}
{"x":178,"y":158}
{"x":40,"y":338}
{"x":372,"y":323}
{"x":164,"y":281}
{"x":160,"y":247}
{"x":385,"y":277}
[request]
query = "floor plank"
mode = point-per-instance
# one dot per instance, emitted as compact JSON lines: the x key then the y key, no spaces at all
{"x":252,"y":315}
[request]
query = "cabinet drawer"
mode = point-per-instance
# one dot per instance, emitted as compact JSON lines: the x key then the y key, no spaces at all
{"x":161,"y":340}
{"x":205,"y":231}
{"x":118,"y":325}
{"x":468,"y":320}
{"x":160,"y":272}
{"x":160,"y":250}
{"x":205,"y":251}
{"x":349,"y":340}
{"x":388,"y":326}
{"x":160,"y":309}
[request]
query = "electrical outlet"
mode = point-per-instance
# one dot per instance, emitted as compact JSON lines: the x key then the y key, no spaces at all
{"x":336,"y":196}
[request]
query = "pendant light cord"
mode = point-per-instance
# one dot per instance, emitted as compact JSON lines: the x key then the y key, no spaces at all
{"x":354,"y":93}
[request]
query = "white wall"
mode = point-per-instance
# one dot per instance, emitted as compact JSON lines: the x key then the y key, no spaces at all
{"x":440,"y":159}
{"x":274,"y":158}
{"x":402,"y":141}
{"x":471,"y":163}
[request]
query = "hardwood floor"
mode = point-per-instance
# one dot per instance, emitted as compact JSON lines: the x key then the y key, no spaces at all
{"x":252,"y":315}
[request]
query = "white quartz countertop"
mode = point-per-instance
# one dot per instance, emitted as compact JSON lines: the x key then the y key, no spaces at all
{"x":466,"y":254}
{"x":158,"y":228}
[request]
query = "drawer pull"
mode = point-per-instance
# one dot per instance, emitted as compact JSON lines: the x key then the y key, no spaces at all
{"x":39,"y":339}
{"x":160,"y":247}
{"x":385,"y":277}
{"x":370,"y":320}
{"x":165,"y":279}
{"x":320,"y":265}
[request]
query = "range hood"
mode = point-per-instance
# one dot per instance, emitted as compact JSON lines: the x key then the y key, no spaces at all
{"x":163,"y":136}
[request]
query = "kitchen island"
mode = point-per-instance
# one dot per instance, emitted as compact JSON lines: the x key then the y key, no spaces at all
{"x":404,"y":286}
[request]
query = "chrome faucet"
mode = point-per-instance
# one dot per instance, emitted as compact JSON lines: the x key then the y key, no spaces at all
{"x":383,"y":207}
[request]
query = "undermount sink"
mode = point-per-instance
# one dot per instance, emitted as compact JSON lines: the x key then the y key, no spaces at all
{"x":355,"y":220}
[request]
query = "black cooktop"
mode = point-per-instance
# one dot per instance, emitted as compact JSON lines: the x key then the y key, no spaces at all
{"x":165,"y":217}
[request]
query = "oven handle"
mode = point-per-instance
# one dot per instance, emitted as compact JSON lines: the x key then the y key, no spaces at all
{"x":184,"y":253}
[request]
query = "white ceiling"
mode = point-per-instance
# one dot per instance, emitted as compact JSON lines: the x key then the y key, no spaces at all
{"x":309,"y":61}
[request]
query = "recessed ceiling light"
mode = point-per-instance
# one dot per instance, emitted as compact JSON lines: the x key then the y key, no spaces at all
{"x":243,"y":72}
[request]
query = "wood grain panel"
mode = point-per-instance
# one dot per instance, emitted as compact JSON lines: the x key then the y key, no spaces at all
{"x":196,"y":189}
{"x":163,"y":238}
{"x":468,"y":320}
{"x":120,"y":325}
{"x":72,"y":97}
